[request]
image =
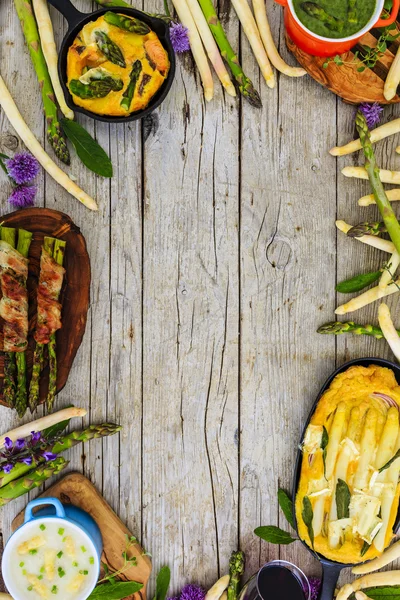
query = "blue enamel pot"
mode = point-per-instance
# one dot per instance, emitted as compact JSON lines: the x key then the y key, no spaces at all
{"x":64,"y":518}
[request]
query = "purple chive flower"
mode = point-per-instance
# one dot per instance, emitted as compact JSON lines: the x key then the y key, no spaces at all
{"x":315,"y":586}
{"x":192,"y":592}
{"x":8,"y":444}
{"x":49,"y":456}
{"x":22,"y":196}
{"x":8,"y":468}
{"x":179,"y":37}
{"x":23,"y":167}
{"x":372,"y":113}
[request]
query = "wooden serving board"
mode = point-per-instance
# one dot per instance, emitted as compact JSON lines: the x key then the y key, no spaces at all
{"x":78,"y":490}
{"x":344,"y":80}
{"x":74,"y":295}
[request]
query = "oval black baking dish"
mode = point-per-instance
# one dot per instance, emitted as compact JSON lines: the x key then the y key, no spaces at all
{"x":77,"y":20}
{"x":331,"y":569}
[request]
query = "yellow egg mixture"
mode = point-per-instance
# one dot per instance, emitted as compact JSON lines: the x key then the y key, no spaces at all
{"x":86,"y":58}
{"x":348,"y":475}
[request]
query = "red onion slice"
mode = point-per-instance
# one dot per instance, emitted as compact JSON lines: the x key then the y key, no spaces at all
{"x":386,"y":399}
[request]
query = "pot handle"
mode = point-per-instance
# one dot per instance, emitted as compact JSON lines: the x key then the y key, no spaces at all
{"x":68,"y":10}
{"x":330,"y":575}
{"x":392,"y":17}
{"x":29,"y":516}
{"x":284,"y":2}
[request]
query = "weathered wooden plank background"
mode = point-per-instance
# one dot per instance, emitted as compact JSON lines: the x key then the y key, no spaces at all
{"x":214,"y":258}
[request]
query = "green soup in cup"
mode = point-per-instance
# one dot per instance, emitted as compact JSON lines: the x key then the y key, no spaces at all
{"x":334,"y":18}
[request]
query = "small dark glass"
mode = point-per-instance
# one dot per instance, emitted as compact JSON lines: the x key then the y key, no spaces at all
{"x":277,"y":580}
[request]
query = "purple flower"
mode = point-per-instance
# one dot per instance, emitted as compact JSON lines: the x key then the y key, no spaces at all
{"x":22,"y":196}
{"x":8,"y":468}
{"x":372,"y":113}
{"x":179,"y":37}
{"x":23,"y":167}
{"x":27,"y":460}
{"x":315,"y":586}
{"x":8,"y":444}
{"x":192,"y":592}
{"x":49,"y":456}
{"x":36,"y":437}
{"x":19,"y":445}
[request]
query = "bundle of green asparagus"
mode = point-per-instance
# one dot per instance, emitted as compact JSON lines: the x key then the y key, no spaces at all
{"x":48,"y":318}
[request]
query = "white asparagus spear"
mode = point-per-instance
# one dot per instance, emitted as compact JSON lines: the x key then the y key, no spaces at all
{"x":387,"y":440}
{"x":367,"y":449}
{"x":361,"y":173}
{"x":370,"y":240}
{"x":216,"y":591}
{"x":43,"y":423}
{"x":249,"y":24}
{"x":46,"y":33}
{"x":369,"y":581}
{"x":377,"y":134}
{"x":14,"y":116}
{"x":269,"y":44}
{"x":387,"y":500}
{"x":361,"y":596}
{"x":391,"y":554}
{"x":211,"y":47}
{"x":388,"y":329}
{"x":389,"y":272}
{"x":392,"y":78}
{"x":369,"y":199}
{"x":5,"y":596}
{"x":367,"y":298}
{"x":196,"y":46}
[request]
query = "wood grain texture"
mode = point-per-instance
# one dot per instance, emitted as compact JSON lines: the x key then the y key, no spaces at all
{"x":214,"y":258}
{"x":77,"y":490}
{"x":74,"y":295}
{"x":345,"y":80}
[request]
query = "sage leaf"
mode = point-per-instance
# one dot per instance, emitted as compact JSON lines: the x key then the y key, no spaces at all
{"x":286,"y":504}
{"x":392,"y":592}
{"x":274,"y":535}
{"x":89,"y":151}
{"x":358,"y":283}
{"x":162,"y":583}
{"x":324,"y":444}
{"x":342,"y":499}
{"x":308,"y":514}
{"x":115,"y":591}
{"x":365,"y":548}
{"x":54,"y":430}
{"x":387,"y":465}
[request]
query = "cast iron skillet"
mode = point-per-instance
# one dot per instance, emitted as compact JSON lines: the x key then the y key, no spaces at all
{"x":77,"y":20}
{"x":331,"y":569}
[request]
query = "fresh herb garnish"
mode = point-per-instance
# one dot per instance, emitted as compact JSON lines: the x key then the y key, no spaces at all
{"x":89,"y":151}
{"x":286,"y":504}
{"x":83,"y":549}
{"x":324,"y":444}
{"x":61,"y":572}
{"x":33,"y":551}
{"x":162,"y":583}
{"x":387,"y":465}
{"x":61,"y":531}
{"x":42,"y":527}
{"x":59,"y":554}
{"x":307,"y":515}
{"x":342,"y":499}
{"x":54,"y":589}
{"x":274,"y":535}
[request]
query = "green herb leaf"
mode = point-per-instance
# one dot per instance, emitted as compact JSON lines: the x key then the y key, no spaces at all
{"x":115,"y":591}
{"x":89,"y":151}
{"x":308,"y":514}
{"x":358,"y":283}
{"x":342,"y":499}
{"x":53,"y":431}
{"x":286,"y":504}
{"x":274,"y":535}
{"x":324,"y":444}
{"x":387,"y":465}
{"x":392,"y":592}
{"x":365,"y":548}
{"x":162,"y":583}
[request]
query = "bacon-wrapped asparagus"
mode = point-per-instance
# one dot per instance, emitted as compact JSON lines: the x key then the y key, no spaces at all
{"x":14,"y":311}
{"x":48,"y":317}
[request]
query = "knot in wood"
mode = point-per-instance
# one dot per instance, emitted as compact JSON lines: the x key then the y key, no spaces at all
{"x":279,"y":254}
{"x":10,"y":141}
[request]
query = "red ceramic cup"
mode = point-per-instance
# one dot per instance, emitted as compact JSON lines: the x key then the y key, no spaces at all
{"x":322,"y":46}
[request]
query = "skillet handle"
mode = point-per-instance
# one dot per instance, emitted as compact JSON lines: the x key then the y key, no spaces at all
{"x":330,"y":576}
{"x":68,"y":10}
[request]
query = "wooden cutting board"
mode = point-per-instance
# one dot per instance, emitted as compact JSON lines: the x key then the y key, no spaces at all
{"x":74,"y":295}
{"x":344,"y":80}
{"x":78,"y":490}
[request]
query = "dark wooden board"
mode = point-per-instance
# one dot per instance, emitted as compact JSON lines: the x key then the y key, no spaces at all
{"x":78,"y":490}
{"x":74,"y":295}
{"x":344,"y":80}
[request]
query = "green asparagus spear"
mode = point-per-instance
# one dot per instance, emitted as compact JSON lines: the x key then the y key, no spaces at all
{"x":127,"y":23}
{"x":38,"y":356}
{"x":357,"y":283}
{"x":337,"y":328}
{"x":97,"y":88}
{"x":236,"y":569}
{"x":381,"y":199}
{"x":374,"y":228}
{"x":8,"y":234}
{"x":315,"y":10}
{"x":31,"y":480}
{"x":352,"y":12}
{"x":29,"y":27}
{"x":21,"y":401}
{"x":127,"y":96}
{"x":109,"y":48}
{"x":64,"y":443}
{"x":58,"y":256}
